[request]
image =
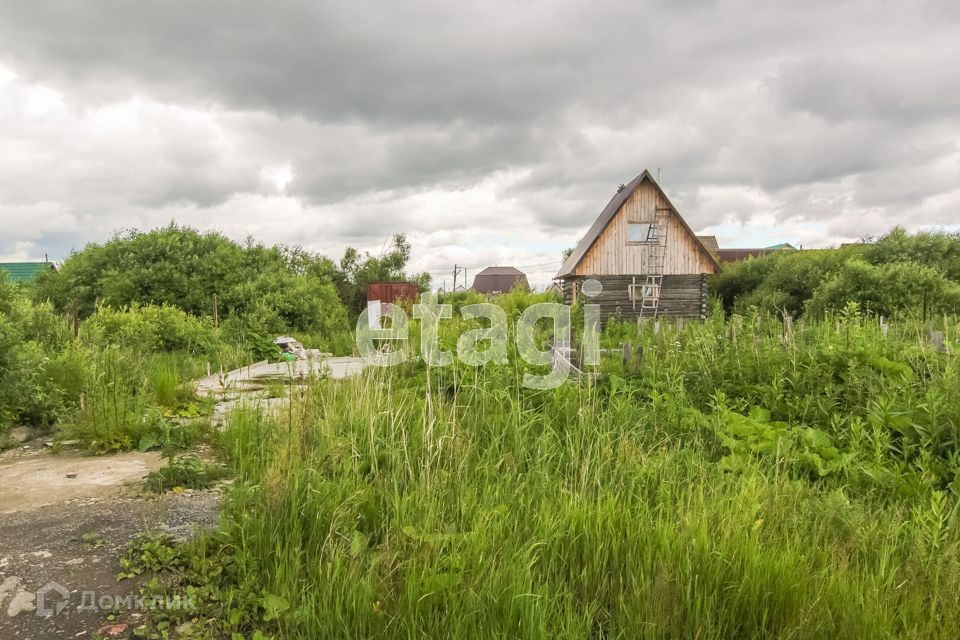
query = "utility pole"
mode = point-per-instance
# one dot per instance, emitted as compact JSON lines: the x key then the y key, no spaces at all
{"x":454,"y":278}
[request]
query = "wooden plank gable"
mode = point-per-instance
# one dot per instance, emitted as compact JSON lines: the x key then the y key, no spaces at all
{"x":612,"y":254}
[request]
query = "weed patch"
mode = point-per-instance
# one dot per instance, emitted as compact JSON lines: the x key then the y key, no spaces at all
{"x":736,"y":485}
{"x":185,"y":472}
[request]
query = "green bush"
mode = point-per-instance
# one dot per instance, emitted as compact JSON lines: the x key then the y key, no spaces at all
{"x":278,"y":289}
{"x":29,"y":339}
{"x":114,"y":413}
{"x":150,"y":328}
{"x":900,"y":287}
{"x":937,"y":249}
{"x":891,"y":276}
{"x":783,"y":280}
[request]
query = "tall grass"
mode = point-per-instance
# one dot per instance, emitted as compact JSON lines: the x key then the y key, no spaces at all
{"x":741,"y":483}
{"x":129,"y":399}
{"x":113,"y":412}
{"x":164,"y":382}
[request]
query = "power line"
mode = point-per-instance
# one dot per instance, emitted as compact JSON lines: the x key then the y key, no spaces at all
{"x":460,"y":269}
{"x":522,"y":266}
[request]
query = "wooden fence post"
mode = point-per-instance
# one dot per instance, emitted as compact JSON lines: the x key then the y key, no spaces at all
{"x":937,"y":339}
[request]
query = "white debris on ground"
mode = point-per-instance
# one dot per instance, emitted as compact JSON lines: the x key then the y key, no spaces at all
{"x":20,"y":600}
{"x":292,"y":347}
{"x":9,"y":588}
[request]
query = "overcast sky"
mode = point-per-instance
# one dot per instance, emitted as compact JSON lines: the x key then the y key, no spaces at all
{"x":489,"y":132}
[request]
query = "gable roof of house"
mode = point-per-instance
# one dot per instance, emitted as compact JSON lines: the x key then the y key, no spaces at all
{"x":500,"y":271}
{"x":783,"y":245}
{"x":710,"y":243}
{"x":493,"y":279}
{"x":743,"y":253}
{"x":607,"y":215}
{"x":24,"y":271}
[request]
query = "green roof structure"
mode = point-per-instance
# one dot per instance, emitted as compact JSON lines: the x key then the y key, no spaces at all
{"x":782,"y":245}
{"x":24,"y":271}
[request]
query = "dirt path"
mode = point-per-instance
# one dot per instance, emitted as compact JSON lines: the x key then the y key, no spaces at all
{"x":64,"y":525}
{"x":30,"y":477}
{"x":65,"y":519}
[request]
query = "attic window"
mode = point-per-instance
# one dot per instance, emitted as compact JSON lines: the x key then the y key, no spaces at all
{"x":641,"y":232}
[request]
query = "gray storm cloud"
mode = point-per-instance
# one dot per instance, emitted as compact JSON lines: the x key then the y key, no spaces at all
{"x":498,"y":128}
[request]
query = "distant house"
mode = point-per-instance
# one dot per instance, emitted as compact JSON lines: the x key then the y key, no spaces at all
{"x":25,"y":271}
{"x":644,"y":255}
{"x":710,"y":244}
{"x":737,"y":254}
{"x":499,"y":280}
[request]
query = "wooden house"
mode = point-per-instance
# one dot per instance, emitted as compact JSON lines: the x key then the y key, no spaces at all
{"x":645,"y":257}
{"x":738,"y":254}
{"x":499,"y":280}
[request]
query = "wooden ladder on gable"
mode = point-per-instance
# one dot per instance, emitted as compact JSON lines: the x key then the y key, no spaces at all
{"x":656,"y":259}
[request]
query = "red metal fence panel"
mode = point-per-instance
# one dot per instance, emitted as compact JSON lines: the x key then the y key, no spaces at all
{"x":393,"y":291}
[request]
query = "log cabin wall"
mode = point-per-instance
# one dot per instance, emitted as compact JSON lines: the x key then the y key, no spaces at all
{"x":682,"y":296}
{"x":611,"y":254}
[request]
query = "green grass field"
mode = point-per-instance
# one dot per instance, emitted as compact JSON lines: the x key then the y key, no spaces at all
{"x":737,"y":484}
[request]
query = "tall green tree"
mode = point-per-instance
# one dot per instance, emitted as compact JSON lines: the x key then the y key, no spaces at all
{"x":356,"y":271}
{"x":201,"y":273}
{"x":897,"y":272}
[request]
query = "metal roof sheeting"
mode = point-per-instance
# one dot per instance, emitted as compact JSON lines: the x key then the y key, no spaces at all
{"x":24,"y":271}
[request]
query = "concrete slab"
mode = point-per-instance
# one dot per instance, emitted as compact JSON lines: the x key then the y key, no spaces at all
{"x":256,"y":376}
{"x":40,"y":480}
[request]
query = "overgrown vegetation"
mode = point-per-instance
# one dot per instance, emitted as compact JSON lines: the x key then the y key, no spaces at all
{"x":251,"y":287}
{"x":742,"y":482}
{"x":749,"y":477}
{"x":185,"y":472}
{"x":35,"y":373}
{"x":896,"y":275}
{"x":105,"y":347}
